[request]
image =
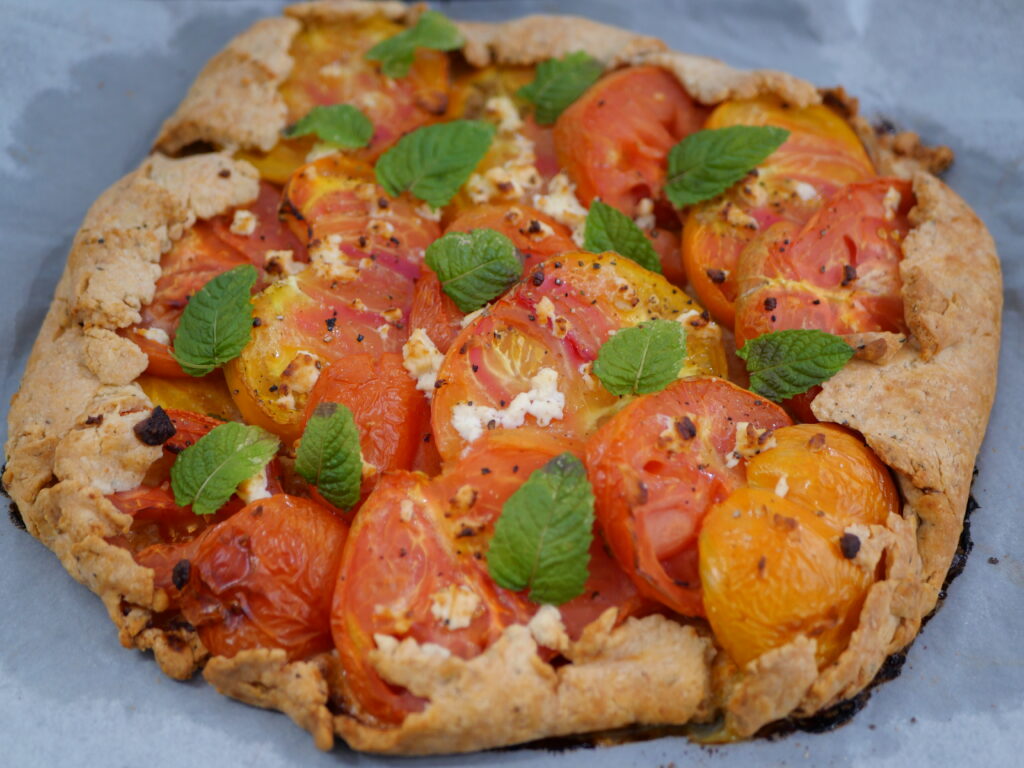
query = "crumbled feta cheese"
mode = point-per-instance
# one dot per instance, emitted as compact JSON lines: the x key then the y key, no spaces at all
{"x":334,"y":69}
{"x":405,"y":510}
{"x":750,"y":441}
{"x":473,"y":315}
{"x":560,"y":203}
{"x":321,"y":149}
{"x":253,"y":488}
{"x":516,"y":177}
{"x":383,"y":331}
{"x":330,"y":262}
{"x":302,"y":372}
{"x":390,"y":645}
{"x":422,"y":360}
{"x":159,"y":335}
{"x":429,"y":212}
{"x":503,"y":108}
{"x":454,"y":606}
{"x":545,"y":310}
{"x":244,"y":223}
{"x":891,"y":202}
{"x":782,"y":487}
{"x":804,"y":190}
{"x":645,"y":214}
{"x":286,"y":402}
{"x":393,"y":315}
{"x":543,"y":401}
{"x":738,"y":218}
{"x":547,"y":628}
{"x":282,"y":263}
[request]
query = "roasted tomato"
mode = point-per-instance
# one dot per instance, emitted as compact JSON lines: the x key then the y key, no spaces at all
{"x":355,"y":297}
{"x":521,"y":156}
{"x":657,"y":467}
{"x":163,"y":533}
{"x":614,"y":140}
{"x":434,"y":311}
{"x":527,"y":358}
{"x":388,"y":409}
{"x":535,"y":234}
{"x":821,"y":154}
{"x":207,"y":395}
{"x":776,"y":558}
{"x":415,"y":568}
{"x":206,"y":250}
{"x":839,"y":272}
{"x":264,"y":578}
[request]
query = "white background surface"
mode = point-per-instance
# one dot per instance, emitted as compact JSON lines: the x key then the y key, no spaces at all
{"x":83,"y":89}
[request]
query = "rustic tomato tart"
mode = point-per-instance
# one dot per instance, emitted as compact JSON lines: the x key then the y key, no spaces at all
{"x":455,"y":385}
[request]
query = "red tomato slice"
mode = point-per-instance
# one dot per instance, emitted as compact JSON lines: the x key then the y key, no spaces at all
{"x":264,"y":578}
{"x":330,"y":68}
{"x":838,"y":273}
{"x":658,"y":465}
{"x":556,"y":319}
{"x":434,"y":312}
{"x":535,"y":234}
{"x":614,"y":140}
{"x":389,"y":411}
{"x":821,"y":154}
{"x":415,"y":567}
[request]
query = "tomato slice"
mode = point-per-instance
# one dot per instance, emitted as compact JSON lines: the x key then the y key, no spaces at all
{"x":208,"y":395}
{"x":556,"y":320}
{"x":415,"y":566}
{"x":656,"y":468}
{"x":434,"y":311}
{"x":839,"y":272}
{"x":821,"y":154}
{"x":389,"y":411}
{"x":330,"y":68}
{"x":771,"y":560}
{"x":535,"y":234}
{"x":264,"y":578}
{"x":614,"y":140}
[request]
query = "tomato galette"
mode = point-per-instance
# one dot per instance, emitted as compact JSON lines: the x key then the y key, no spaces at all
{"x":454,"y":385}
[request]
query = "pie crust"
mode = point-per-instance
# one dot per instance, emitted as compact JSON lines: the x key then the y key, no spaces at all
{"x":922,"y":403}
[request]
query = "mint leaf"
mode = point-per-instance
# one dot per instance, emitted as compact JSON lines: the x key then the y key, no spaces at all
{"x":643,"y":359}
{"x":474,"y":267}
{"x":396,"y":54}
{"x":340,"y":125}
{"x":542,"y":538}
{"x":206,"y":474}
{"x":706,"y":163}
{"x":786,"y":363}
{"x":608,"y":229}
{"x":558,"y":83}
{"x":217,"y":322}
{"x":329,"y":456}
{"x":433,"y":162}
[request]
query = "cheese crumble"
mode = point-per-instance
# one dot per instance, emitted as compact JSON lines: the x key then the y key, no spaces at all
{"x":422,"y":359}
{"x":543,"y":401}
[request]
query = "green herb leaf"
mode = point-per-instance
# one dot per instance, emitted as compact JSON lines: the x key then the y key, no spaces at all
{"x":643,"y":359}
{"x":329,"y":456}
{"x":217,"y":322}
{"x":474,"y":267}
{"x":206,"y":474}
{"x":786,"y":363}
{"x":608,"y":229}
{"x":558,"y":83}
{"x":542,"y":539}
{"x":433,"y":162}
{"x":706,"y":163}
{"x":433,"y":30}
{"x":339,"y":125}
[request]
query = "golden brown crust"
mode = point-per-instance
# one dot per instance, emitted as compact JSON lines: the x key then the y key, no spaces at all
{"x":920,"y":403}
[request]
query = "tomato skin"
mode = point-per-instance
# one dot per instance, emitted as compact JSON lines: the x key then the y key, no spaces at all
{"x":821,"y":154}
{"x":534,"y":234}
{"x":614,"y":140}
{"x":434,"y":311}
{"x":557,"y":318}
{"x":389,"y":411}
{"x":838,"y":273}
{"x":657,"y":466}
{"x":264,"y":578}
{"x":207,"y":395}
{"x":771,"y":566}
{"x":415,"y":539}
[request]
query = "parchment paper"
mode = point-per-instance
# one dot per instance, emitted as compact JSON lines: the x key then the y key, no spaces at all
{"x":84,"y":86}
